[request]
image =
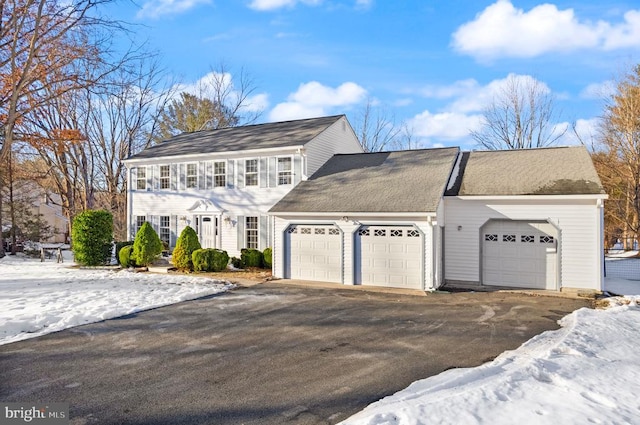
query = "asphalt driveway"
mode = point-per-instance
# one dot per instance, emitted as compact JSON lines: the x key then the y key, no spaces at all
{"x":269,"y":354}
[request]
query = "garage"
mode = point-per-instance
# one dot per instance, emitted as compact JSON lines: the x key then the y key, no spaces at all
{"x":389,"y":256}
{"x":314,"y":252}
{"x":519,"y":253}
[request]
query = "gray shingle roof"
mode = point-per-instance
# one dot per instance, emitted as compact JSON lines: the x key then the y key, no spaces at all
{"x":548,"y":171}
{"x":257,"y":136}
{"x":404,"y":181}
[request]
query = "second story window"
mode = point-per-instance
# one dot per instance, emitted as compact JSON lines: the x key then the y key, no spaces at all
{"x":165,"y":175}
{"x":141,"y":178}
{"x":251,"y":172}
{"x":284,"y":171}
{"x":219,"y":174}
{"x":192,"y":176}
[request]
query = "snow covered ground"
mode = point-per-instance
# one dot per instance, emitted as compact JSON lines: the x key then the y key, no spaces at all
{"x":586,"y":372}
{"x":39,"y":298}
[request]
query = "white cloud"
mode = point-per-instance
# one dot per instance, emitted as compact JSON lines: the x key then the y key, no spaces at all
{"x":444,"y":125}
{"x":501,"y":30}
{"x":626,"y":34}
{"x":463,"y":114}
{"x":477,"y":97}
{"x":203,"y":88}
{"x":156,"y":8}
{"x":264,"y":5}
{"x":598,"y":90}
{"x":582,"y":131}
{"x":314,"y":99}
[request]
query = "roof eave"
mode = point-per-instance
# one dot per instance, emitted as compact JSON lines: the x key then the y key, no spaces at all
{"x":530,"y":197}
{"x":224,"y":154}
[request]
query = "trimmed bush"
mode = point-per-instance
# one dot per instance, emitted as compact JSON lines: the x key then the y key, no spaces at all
{"x":147,"y":245}
{"x":267,"y":256}
{"x":120,"y":245}
{"x":236,"y":262}
{"x":251,"y":257}
{"x":219,"y":260}
{"x":92,"y":236}
{"x":200,"y":260}
{"x":185,"y":245}
{"x":124,"y":256}
{"x":209,"y":260}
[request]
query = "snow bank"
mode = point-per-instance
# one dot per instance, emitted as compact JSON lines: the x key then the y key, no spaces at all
{"x":586,"y":372}
{"x":39,"y":298}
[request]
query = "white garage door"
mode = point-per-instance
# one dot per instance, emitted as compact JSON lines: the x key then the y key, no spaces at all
{"x":520,"y":254}
{"x":314,"y":253}
{"x":389,"y":256}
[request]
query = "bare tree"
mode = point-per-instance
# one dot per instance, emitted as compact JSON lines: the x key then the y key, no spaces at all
{"x":521,"y":116}
{"x":219,"y":100}
{"x":619,"y":162}
{"x":41,"y":42}
{"x":376,"y":128}
{"x":119,"y":120}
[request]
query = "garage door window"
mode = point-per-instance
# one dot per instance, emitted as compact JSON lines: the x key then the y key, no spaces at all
{"x":491,"y":238}
{"x":508,"y":238}
{"x":413,"y":234}
{"x":527,"y":238}
{"x":395,"y":233}
{"x":546,"y":239}
{"x":363,"y":232}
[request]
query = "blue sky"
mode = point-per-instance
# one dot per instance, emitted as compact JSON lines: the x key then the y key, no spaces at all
{"x":430,"y":64}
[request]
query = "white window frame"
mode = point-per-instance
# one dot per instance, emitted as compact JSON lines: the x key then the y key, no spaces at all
{"x":253,"y":174}
{"x":164,"y":228}
{"x":141,"y":178}
{"x":219,"y":178}
{"x":165,"y":181}
{"x":252,"y":233}
{"x":140,"y":219}
{"x":191,"y":179}
{"x":284,"y":177}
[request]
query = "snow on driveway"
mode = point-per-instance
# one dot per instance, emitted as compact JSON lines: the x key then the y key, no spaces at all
{"x":39,"y":298}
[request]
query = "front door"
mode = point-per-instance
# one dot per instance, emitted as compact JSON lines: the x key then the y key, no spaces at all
{"x":208,"y":231}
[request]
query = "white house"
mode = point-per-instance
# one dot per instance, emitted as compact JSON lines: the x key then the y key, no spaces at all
{"x":223,"y":182}
{"x":421,"y":219}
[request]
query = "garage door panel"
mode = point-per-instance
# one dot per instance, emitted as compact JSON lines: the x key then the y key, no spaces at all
{"x":389,"y":256}
{"x":513,"y":255}
{"x":315,"y":253}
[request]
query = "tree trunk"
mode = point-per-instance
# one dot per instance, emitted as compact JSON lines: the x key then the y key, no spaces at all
{"x":12,"y":210}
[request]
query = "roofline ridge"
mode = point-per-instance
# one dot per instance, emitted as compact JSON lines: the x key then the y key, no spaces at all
{"x":401,"y":150}
{"x":527,"y":149}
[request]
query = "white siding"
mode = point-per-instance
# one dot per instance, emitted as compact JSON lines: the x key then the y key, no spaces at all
{"x":338,"y":138}
{"x":579,"y":235}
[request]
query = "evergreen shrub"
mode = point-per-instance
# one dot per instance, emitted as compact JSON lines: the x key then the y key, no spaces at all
{"x":91,"y":236}
{"x":124,"y":257}
{"x":251,"y":257}
{"x":120,"y":245}
{"x":147,"y":245}
{"x":267,"y":257}
{"x":185,"y":245}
